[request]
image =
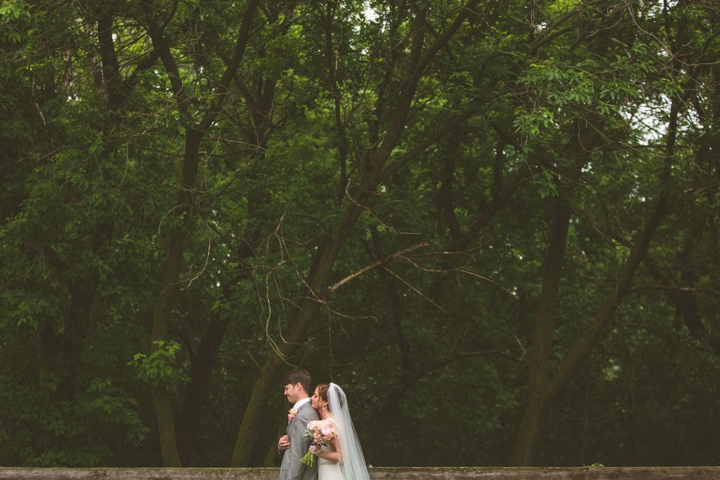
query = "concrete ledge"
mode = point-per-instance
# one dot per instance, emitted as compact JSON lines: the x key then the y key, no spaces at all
{"x":396,"y":473}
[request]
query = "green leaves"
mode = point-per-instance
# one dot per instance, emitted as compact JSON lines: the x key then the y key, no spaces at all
{"x":161,"y":367}
{"x":568,"y":106}
{"x":13,"y":9}
{"x":547,"y":183}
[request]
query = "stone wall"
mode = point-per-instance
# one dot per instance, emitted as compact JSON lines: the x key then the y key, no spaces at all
{"x":416,"y":473}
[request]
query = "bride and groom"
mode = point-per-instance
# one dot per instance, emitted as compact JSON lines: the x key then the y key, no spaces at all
{"x":338,"y":459}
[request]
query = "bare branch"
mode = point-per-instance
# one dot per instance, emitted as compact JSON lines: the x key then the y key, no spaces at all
{"x":389,"y":258}
{"x":708,"y":291}
{"x":413,"y":288}
{"x":482,"y":353}
{"x":207,"y":258}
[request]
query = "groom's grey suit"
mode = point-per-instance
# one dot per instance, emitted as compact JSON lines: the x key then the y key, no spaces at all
{"x":292,"y":468}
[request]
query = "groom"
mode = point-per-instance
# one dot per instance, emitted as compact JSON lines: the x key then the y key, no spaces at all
{"x":294,"y":445}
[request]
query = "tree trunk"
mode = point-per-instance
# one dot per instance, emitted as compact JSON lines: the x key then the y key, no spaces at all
{"x":330,"y":248}
{"x":294,"y":337}
{"x":526,"y":443}
{"x":202,"y":364}
{"x":163,"y":306}
{"x":542,"y":337}
{"x":542,"y":394}
{"x":163,"y":411}
{"x":194,"y":133}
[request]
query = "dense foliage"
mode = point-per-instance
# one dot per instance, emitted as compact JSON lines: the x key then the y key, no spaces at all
{"x":495,"y":224}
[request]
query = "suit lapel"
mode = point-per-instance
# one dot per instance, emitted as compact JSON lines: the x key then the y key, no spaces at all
{"x":290,"y":422}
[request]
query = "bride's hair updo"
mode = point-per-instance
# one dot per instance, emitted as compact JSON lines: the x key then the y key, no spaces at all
{"x":322,"y":390}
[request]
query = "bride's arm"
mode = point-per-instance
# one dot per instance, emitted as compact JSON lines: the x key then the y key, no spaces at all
{"x":334,"y":456}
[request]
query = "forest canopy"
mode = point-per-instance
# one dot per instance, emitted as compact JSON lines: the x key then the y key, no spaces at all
{"x":493,"y":223}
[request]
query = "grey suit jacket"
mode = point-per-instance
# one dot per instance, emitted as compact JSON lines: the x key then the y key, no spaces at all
{"x":292,"y":468}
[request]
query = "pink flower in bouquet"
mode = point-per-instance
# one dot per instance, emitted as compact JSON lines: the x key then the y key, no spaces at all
{"x":328,"y":431}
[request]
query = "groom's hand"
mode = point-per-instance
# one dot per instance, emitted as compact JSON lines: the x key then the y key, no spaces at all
{"x":284,"y":442}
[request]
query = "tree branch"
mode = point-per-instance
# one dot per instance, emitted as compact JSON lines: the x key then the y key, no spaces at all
{"x":389,"y":258}
{"x":709,"y":291}
{"x":417,"y":150}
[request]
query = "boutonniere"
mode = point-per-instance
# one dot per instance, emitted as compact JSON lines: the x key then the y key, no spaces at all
{"x":291,"y":414}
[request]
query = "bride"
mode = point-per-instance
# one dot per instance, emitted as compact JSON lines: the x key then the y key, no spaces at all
{"x":342,"y":459}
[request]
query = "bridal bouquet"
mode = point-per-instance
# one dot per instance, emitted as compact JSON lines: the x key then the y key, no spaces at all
{"x":322,"y":432}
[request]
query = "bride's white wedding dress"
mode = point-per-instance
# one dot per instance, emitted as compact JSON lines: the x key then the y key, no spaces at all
{"x":327,"y":469}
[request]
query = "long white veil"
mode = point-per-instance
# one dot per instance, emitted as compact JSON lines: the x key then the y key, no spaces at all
{"x":353,"y":460}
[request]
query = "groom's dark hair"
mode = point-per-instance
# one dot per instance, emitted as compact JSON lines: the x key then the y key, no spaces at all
{"x":297,"y":376}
